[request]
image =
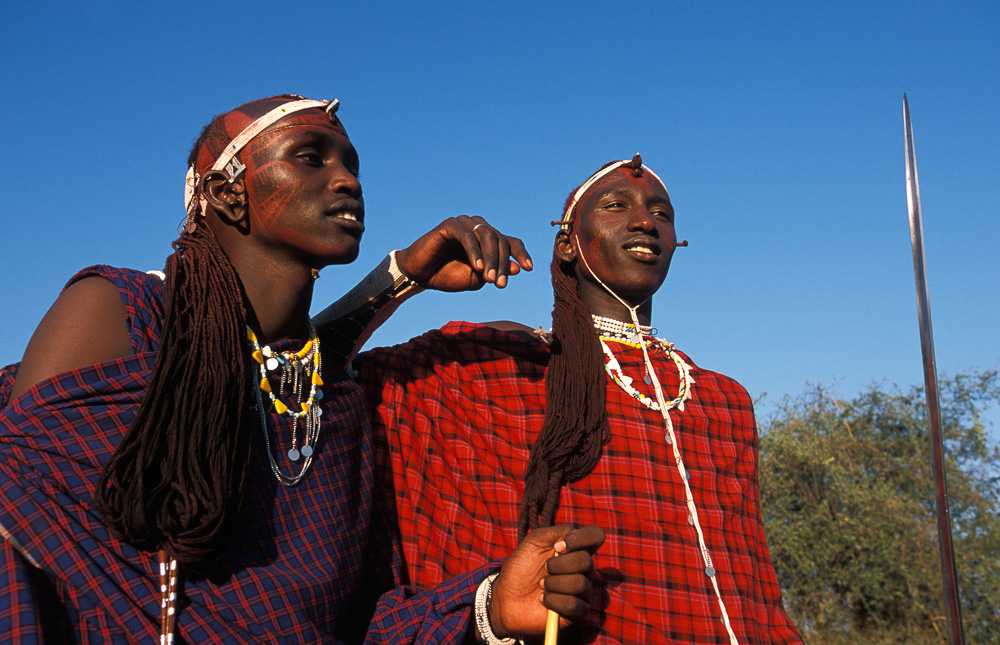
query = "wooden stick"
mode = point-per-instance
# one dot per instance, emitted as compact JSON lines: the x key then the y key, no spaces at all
{"x":551,"y":624}
{"x":551,"y":628}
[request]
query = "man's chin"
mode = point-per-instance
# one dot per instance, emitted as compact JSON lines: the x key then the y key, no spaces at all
{"x":341,"y":256}
{"x":639,"y":294}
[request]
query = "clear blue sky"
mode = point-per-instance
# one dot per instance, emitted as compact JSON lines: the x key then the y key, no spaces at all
{"x":776,"y":126}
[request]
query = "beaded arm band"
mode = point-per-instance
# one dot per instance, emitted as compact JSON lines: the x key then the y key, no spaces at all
{"x":345,"y":325}
{"x":482,"y":611}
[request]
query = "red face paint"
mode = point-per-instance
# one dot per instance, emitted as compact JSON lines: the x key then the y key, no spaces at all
{"x":624,"y":228}
{"x":303,"y":192}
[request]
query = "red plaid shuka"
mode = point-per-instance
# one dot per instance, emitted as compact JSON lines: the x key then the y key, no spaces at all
{"x":458,"y":410}
{"x":306,"y":564}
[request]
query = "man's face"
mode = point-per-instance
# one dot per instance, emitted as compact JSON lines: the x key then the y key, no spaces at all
{"x":303,"y":190}
{"x":624,"y":229}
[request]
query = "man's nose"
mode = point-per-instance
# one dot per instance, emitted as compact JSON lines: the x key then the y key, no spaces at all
{"x":640,"y":219}
{"x":343,"y":181}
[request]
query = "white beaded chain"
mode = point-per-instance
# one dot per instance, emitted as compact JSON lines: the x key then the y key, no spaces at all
{"x":684,"y":393}
{"x":613,"y":368}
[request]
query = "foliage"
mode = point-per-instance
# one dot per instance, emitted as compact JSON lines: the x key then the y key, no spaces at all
{"x":847,"y":497}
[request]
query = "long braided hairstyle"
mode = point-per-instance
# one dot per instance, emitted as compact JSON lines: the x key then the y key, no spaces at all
{"x":576,"y":427}
{"x":176,"y":480}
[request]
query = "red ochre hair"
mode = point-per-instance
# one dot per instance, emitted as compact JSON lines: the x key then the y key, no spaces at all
{"x":575,"y":428}
{"x":176,"y":480}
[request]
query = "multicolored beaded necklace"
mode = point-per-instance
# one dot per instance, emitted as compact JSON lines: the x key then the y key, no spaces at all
{"x":616,"y":331}
{"x":290,"y":370}
{"x":614,"y":370}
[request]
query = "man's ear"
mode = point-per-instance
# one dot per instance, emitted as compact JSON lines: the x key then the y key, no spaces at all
{"x":565,"y":248}
{"x":227,"y":198}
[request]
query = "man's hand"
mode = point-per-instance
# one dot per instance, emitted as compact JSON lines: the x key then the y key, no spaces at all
{"x":532,"y":580}
{"x":462,"y":254}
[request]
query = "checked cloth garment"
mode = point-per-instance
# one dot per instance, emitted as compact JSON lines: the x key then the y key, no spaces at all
{"x":307,"y":564}
{"x":456,"y":411}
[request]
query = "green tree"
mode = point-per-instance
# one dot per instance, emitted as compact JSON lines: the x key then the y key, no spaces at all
{"x":848,"y":504}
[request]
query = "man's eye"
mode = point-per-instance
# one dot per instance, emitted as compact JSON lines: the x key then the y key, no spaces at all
{"x":310,"y":157}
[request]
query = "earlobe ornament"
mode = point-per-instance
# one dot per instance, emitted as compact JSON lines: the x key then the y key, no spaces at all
{"x":684,"y":243}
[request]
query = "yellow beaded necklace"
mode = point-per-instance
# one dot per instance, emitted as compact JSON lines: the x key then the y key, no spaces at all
{"x":290,"y":370}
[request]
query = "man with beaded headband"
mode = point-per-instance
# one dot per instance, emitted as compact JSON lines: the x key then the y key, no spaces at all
{"x":597,"y":422}
{"x":181,"y":454}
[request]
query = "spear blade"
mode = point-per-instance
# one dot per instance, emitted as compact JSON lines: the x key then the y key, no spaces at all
{"x":948,"y":570}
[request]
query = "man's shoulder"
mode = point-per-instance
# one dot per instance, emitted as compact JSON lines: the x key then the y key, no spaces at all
{"x":120,"y":276}
{"x":720,"y":385}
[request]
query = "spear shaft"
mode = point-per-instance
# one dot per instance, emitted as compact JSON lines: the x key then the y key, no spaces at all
{"x":948,"y":570}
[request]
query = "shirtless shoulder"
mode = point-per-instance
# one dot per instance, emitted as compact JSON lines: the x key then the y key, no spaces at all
{"x":86,"y":325}
{"x":512,"y":327}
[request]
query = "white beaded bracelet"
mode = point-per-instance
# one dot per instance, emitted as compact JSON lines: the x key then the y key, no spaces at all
{"x":482,"y":609}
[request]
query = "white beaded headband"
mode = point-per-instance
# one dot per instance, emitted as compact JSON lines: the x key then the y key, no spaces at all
{"x":567,"y":217}
{"x":228,"y":160}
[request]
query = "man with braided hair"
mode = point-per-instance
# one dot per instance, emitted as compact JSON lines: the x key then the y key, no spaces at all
{"x":182,"y":456}
{"x":491,"y":431}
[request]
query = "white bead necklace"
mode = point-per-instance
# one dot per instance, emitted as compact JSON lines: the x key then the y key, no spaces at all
{"x":619,"y":329}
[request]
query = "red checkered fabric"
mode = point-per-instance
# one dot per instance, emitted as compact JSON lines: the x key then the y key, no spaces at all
{"x":456,"y":411}
{"x":306,"y":565}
